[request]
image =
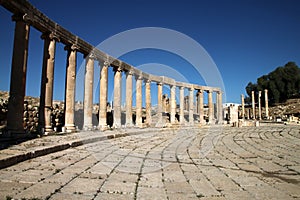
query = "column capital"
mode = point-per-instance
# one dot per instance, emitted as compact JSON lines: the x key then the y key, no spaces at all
{"x":191,"y":89}
{"x":266,"y":90}
{"x":147,"y":80}
{"x":138,"y":76}
{"x":91,"y":56}
{"x":117,"y":69}
{"x":72,"y":47}
{"x":129,"y":72}
{"x":219,"y":92}
{"x":181,"y":87}
{"x":27,"y":18}
{"x":159,"y":83}
{"x":50,"y":35}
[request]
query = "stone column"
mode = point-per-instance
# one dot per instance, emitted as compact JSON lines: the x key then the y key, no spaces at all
{"x":220,"y":107}
{"x":159,"y":105}
{"x":253,"y":105}
{"x":117,"y":97}
{"x":70,"y":88}
{"x":129,"y":99}
{"x":88,"y":93}
{"x":46,"y":96}
{"x":191,"y":106}
{"x":181,"y":102}
{"x":173,"y":104}
{"x":139,"y":120}
{"x":243,"y":106}
{"x":259,"y":105}
{"x":201,"y":108}
{"x":18,"y":77}
{"x":266,"y":103}
{"x":148,"y":101}
{"x":210,"y":106}
{"x":103,"y":96}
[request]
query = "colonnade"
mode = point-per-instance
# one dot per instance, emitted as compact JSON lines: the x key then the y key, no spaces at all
{"x":73,"y":46}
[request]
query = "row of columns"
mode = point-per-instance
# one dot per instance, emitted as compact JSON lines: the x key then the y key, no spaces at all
{"x":259,"y":105}
{"x":18,"y":82}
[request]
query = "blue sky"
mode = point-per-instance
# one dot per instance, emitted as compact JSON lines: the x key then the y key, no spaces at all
{"x":245,"y":39}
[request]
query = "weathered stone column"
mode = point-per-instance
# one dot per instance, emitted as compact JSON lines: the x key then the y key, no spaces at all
{"x":117,"y":97}
{"x":148,"y":101}
{"x":220,"y":107}
{"x":181,"y":105}
{"x":201,"y":108}
{"x":159,"y":105}
{"x":139,"y":120}
{"x":191,"y":106}
{"x":266,"y":103}
{"x":70,"y":88}
{"x":103,"y":95}
{"x":210,"y":106}
{"x":88,"y":93}
{"x":129,"y":99}
{"x":259,"y":105}
{"x":46,"y":96}
{"x":18,"y":77}
{"x":173,"y":104}
{"x":243,"y":106}
{"x":253,"y":105}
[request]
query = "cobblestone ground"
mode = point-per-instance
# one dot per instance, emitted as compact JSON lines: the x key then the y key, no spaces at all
{"x":233,"y":163}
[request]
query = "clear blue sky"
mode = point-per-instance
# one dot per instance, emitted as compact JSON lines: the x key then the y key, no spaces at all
{"x":245,"y":39}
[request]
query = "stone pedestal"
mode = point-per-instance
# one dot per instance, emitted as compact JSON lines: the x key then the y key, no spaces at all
{"x":129,"y":99}
{"x":117,"y":97}
{"x":18,"y":77}
{"x":70,"y":88}
{"x":88,"y":93}
{"x":103,"y":96}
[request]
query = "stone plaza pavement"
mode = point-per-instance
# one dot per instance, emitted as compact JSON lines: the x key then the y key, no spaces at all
{"x":193,"y":163}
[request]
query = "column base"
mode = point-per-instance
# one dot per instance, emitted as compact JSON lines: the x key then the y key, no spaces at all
{"x":69,"y":129}
{"x":88,"y":127}
{"x":103,"y":127}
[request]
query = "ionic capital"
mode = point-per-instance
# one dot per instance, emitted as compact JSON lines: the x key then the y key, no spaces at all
{"x":51,"y":36}
{"x":27,"y":18}
{"x":72,"y":47}
{"x":159,"y":83}
{"x":117,"y":69}
{"x":138,"y":76}
{"x":129,"y":72}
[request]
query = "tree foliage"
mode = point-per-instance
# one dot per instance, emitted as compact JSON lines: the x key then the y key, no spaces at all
{"x":282,"y":83}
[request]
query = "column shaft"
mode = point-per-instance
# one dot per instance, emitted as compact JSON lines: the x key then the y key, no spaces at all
{"x":243,"y":106}
{"x":70,"y":88}
{"x":103,"y":96}
{"x":181,"y":102}
{"x":88,"y":93}
{"x":173,"y":104}
{"x":117,"y":97}
{"x":266,"y":103}
{"x":139,"y":120}
{"x":159,"y":105}
{"x":18,"y":78}
{"x":191,"y":106}
{"x":253,"y":105}
{"x":220,"y":108}
{"x":46,"y":96}
{"x":210,"y":107}
{"x":201,"y":108}
{"x":128,"y":99}
{"x":259,"y":105}
{"x":148,"y":102}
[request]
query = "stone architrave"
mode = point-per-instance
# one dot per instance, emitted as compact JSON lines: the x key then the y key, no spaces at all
{"x":259,"y":105}
{"x":148,"y":101}
{"x":159,"y":105}
{"x":129,"y":99}
{"x":46,"y":96}
{"x":253,"y":105}
{"x":266,"y":103}
{"x":181,"y":105}
{"x":103,"y":95}
{"x":88,"y":93}
{"x":173,"y":104}
{"x":117,"y":97}
{"x":191,"y":106}
{"x":70,"y":88}
{"x":210,"y":106}
{"x":18,"y":77}
{"x":243,"y":106}
{"x":139,"y":120}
